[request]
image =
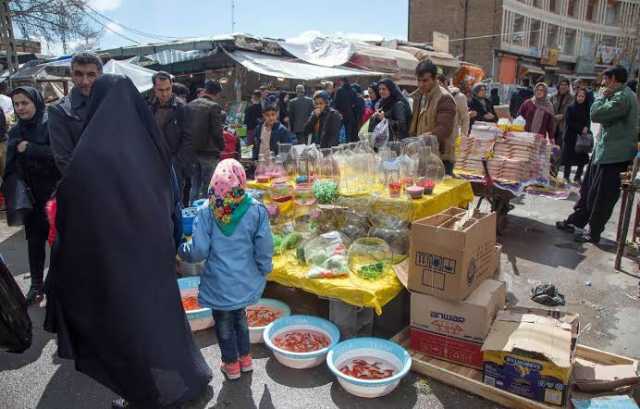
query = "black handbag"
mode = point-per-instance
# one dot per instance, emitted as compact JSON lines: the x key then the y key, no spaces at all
{"x":18,"y":198}
{"x":15,"y":325}
{"x":584,"y":143}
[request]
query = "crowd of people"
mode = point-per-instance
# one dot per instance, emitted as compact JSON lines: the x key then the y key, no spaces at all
{"x":117,"y":167}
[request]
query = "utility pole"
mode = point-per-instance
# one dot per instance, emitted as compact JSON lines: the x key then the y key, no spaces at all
{"x":6,"y":35}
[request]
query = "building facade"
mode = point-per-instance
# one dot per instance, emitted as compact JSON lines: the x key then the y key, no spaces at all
{"x":524,"y":40}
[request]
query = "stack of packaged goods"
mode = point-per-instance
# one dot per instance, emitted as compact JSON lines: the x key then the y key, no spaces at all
{"x":454,"y":300}
{"x":516,"y":157}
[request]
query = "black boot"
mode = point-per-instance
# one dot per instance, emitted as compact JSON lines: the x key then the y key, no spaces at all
{"x":121,"y":404}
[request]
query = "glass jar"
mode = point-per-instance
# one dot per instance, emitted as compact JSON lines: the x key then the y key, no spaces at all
{"x":263,"y":171}
{"x":281,"y":191}
{"x":308,"y":165}
{"x":433,"y":172}
{"x":327,"y":168}
{"x":392,"y":178}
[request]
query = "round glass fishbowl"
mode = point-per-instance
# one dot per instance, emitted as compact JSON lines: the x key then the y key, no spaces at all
{"x":370,"y":258}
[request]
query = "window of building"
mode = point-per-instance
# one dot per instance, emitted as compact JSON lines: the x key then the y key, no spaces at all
{"x":518,"y":30}
{"x":592,"y":10}
{"x":555,"y":6}
{"x":538,"y":3}
{"x":587,"y":45}
{"x":553,"y":40}
{"x":574,"y":8}
{"x":611,"y":16}
{"x":569,"y":46}
{"x":609,"y":41}
{"x":534,"y":36}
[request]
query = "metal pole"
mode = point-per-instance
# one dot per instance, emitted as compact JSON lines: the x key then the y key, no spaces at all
{"x":622,"y":237}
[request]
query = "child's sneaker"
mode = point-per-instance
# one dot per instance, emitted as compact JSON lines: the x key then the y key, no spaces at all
{"x":232,"y":371}
{"x":246,"y":363}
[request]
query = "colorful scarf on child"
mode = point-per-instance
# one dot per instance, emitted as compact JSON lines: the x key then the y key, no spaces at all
{"x":227,"y":199}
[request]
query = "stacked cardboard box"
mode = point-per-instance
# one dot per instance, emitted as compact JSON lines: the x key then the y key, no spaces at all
{"x":453,"y":256}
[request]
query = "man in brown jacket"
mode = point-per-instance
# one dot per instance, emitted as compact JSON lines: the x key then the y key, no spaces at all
{"x":434,"y":112}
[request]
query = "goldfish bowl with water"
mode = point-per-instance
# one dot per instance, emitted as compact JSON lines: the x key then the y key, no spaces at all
{"x":369,"y":367}
{"x":199,"y":317}
{"x":301,"y":341}
{"x":263,"y":313}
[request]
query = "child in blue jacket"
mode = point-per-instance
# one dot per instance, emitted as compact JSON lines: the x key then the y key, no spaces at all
{"x":234,"y":237}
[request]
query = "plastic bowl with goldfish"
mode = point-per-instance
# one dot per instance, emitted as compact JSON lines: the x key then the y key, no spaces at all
{"x":263,"y":313}
{"x":199,"y":318}
{"x":369,"y":367}
{"x":301,"y":341}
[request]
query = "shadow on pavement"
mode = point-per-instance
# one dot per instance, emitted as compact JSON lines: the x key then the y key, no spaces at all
{"x":312,"y":378}
{"x":236,"y":394}
{"x":14,"y":252}
{"x":205,"y":338}
{"x":404,"y":396}
{"x":529,"y":239}
{"x":41,"y":338}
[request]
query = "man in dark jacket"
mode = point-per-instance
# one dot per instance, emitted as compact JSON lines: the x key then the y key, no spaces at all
{"x":359,"y":108}
{"x":208,"y":141}
{"x":172,"y":117}
{"x":345,"y":102}
{"x":67,"y":117}
{"x":270,"y":133}
{"x":299,"y":110}
{"x":325,"y":122}
{"x":252,"y":115}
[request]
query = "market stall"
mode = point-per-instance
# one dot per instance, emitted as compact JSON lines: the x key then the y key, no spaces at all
{"x":370,"y":198}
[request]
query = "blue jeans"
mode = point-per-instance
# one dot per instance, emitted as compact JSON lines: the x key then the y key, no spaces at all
{"x":203,"y":170}
{"x":232,"y":331}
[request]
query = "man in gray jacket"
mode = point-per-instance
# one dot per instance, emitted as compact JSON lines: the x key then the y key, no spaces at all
{"x":300,"y":109}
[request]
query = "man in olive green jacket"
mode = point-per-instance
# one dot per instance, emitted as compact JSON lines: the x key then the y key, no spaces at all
{"x":617,"y":113}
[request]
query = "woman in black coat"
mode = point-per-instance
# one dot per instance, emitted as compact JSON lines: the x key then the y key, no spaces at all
{"x":324,"y":123}
{"x":29,"y":157}
{"x":480,"y":107}
{"x":578,"y":121}
{"x":395,"y":108}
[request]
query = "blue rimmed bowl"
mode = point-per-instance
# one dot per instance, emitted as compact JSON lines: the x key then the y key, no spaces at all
{"x":375,"y":348}
{"x":198,"y":319}
{"x":300,"y":360}
{"x":255,"y":333}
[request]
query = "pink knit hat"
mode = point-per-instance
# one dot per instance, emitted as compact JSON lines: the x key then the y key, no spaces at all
{"x":228,"y":175}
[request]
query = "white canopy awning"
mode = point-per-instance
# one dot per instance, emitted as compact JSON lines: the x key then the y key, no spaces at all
{"x":140,"y":76}
{"x":281,"y":67}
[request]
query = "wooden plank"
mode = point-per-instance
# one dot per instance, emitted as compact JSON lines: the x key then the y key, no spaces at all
{"x":603,"y":358}
{"x":470,"y":380}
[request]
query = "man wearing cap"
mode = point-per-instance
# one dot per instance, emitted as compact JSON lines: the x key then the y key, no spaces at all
{"x":206,"y":129}
{"x":300,"y":109}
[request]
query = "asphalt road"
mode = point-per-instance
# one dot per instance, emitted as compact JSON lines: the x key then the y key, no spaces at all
{"x":534,"y":252}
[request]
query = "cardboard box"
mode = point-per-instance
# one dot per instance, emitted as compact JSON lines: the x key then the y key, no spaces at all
{"x":469,"y":320}
{"x":530,"y":352}
{"x":595,"y":378}
{"x":459,"y":351}
{"x":449,"y":263}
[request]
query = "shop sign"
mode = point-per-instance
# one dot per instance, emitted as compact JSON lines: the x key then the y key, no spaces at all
{"x":440,"y":42}
{"x":550,"y":56}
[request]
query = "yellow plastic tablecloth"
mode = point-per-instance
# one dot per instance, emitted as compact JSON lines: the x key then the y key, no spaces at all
{"x":352,"y":289}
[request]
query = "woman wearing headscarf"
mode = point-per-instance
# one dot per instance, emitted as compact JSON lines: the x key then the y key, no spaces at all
{"x":395,"y":108}
{"x":324,"y":122}
{"x":538,"y":113}
{"x":117,"y":306}
{"x":578,"y":121}
{"x":29,"y":157}
{"x":480,"y":107}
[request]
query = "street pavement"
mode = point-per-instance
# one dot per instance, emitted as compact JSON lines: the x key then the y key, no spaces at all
{"x":534,"y":252}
